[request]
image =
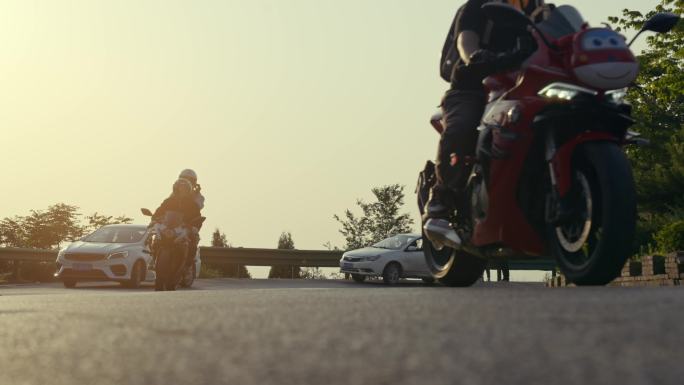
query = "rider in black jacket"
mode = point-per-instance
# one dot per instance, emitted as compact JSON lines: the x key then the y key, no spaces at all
{"x":191,"y":176}
{"x":181,"y":200}
{"x":482,"y":49}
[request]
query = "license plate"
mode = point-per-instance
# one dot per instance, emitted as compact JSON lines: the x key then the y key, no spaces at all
{"x":83,"y":267}
{"x":347,"y":265}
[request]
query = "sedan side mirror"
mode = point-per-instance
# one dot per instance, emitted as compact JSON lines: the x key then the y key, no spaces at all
{"x":660,"y":22}
{"x":146,"y":212}
{"x":412,"y":248}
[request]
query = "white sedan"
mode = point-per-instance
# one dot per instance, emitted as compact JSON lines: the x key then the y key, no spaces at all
{"x":117,"y":253}
{"x":392,"y":259}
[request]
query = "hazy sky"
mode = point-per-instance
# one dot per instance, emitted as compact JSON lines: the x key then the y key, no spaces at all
{"x":288,"y":110}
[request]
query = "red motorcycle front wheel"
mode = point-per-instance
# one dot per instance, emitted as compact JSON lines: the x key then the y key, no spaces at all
{"x":592,"y":246}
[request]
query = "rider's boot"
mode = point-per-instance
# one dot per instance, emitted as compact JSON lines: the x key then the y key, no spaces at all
{"x":437,"y":227}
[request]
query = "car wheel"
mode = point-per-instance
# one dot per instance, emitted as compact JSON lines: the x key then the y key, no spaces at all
{"x":428,"y":281}
{"x":392,"y":273}
{"x":358,"y":278}
{"x":69,"y":283}
{"x":137,"y":275}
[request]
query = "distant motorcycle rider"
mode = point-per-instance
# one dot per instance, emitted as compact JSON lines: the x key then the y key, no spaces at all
{"x":198,"y":198}
{"x":475,"y":48}
{"x":182,"y":200}
{"x":191,"y":176}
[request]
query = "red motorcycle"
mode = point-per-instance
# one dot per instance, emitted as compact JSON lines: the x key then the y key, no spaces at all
{"x":550,"y":176}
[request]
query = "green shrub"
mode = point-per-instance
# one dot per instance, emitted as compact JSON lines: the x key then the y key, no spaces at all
{"x":208,"y":272}
{"x":671,"y":237}
{"x":35,"y":272}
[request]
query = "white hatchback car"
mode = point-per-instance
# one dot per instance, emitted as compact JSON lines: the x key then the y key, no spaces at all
{"x":394,"y":258}
{"x":117,"y":253}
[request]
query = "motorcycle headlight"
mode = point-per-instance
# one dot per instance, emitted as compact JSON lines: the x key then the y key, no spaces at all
{"x":118,"y":255}
{"x":564,"y":92}
{"x":617,"y":96}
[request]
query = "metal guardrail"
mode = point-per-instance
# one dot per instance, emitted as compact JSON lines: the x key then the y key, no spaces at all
{"x":211,"y":255}
{"x":261,"y":257}
{"x":315,"y":258}
{"x":270,"y":257}
{"x":28,"y":255}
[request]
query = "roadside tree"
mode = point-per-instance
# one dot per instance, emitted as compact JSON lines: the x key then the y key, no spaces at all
{"x":378,"y":219}
{"x":658,"y":107}
{"x":285,"y":242}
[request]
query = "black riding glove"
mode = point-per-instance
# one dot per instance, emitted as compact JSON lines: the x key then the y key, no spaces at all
{"x":488,"y":63}
{"x":485,"y":62}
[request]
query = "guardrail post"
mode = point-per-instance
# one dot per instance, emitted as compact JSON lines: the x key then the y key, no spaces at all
{"x":16,"y":272}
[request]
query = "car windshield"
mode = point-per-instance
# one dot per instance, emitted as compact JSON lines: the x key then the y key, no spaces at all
{"x":398,"y":242}
{"x":564,"y":20}
{"x":116,"y":235}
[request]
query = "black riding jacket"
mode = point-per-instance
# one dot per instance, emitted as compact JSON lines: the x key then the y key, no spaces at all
{"x":186,"y":206}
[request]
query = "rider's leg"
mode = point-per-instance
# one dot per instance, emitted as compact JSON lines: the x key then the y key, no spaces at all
{"x":192,"y":250}
{"x":462,"y":114}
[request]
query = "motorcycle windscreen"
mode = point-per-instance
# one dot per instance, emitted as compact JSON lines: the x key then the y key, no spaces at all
{"x":564,"y":20}
{"x":173,"y":219}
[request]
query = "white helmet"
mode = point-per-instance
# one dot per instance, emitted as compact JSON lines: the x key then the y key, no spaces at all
{"x":189,"y":175}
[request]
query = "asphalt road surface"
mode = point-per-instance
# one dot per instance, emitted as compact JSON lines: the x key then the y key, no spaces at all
{"x":329,"y":332}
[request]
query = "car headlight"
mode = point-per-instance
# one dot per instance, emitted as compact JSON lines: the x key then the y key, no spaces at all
{"x":118,"y":255}
{"x":565,"y":92}
{"x":371,"y":259}
{"x":617,"y":96}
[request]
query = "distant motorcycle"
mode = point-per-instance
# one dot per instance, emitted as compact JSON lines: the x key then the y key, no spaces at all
{"x":170,"y":240}
{"x":550,"y":176}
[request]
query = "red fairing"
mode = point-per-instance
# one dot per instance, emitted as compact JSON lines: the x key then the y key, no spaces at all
{"x":505,"y":222}
{"x":562,"y":161}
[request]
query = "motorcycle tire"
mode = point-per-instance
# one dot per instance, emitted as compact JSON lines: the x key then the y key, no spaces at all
{"x":163,"y":270}
{"x":188,"y":277}
{"x":465,"y":270}
{"x":451,"y":267}
{"x":177,"y":271}
{"x":592,"y":247}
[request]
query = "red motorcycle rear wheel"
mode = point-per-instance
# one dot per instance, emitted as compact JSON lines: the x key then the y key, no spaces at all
{"x":453,"y":267}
